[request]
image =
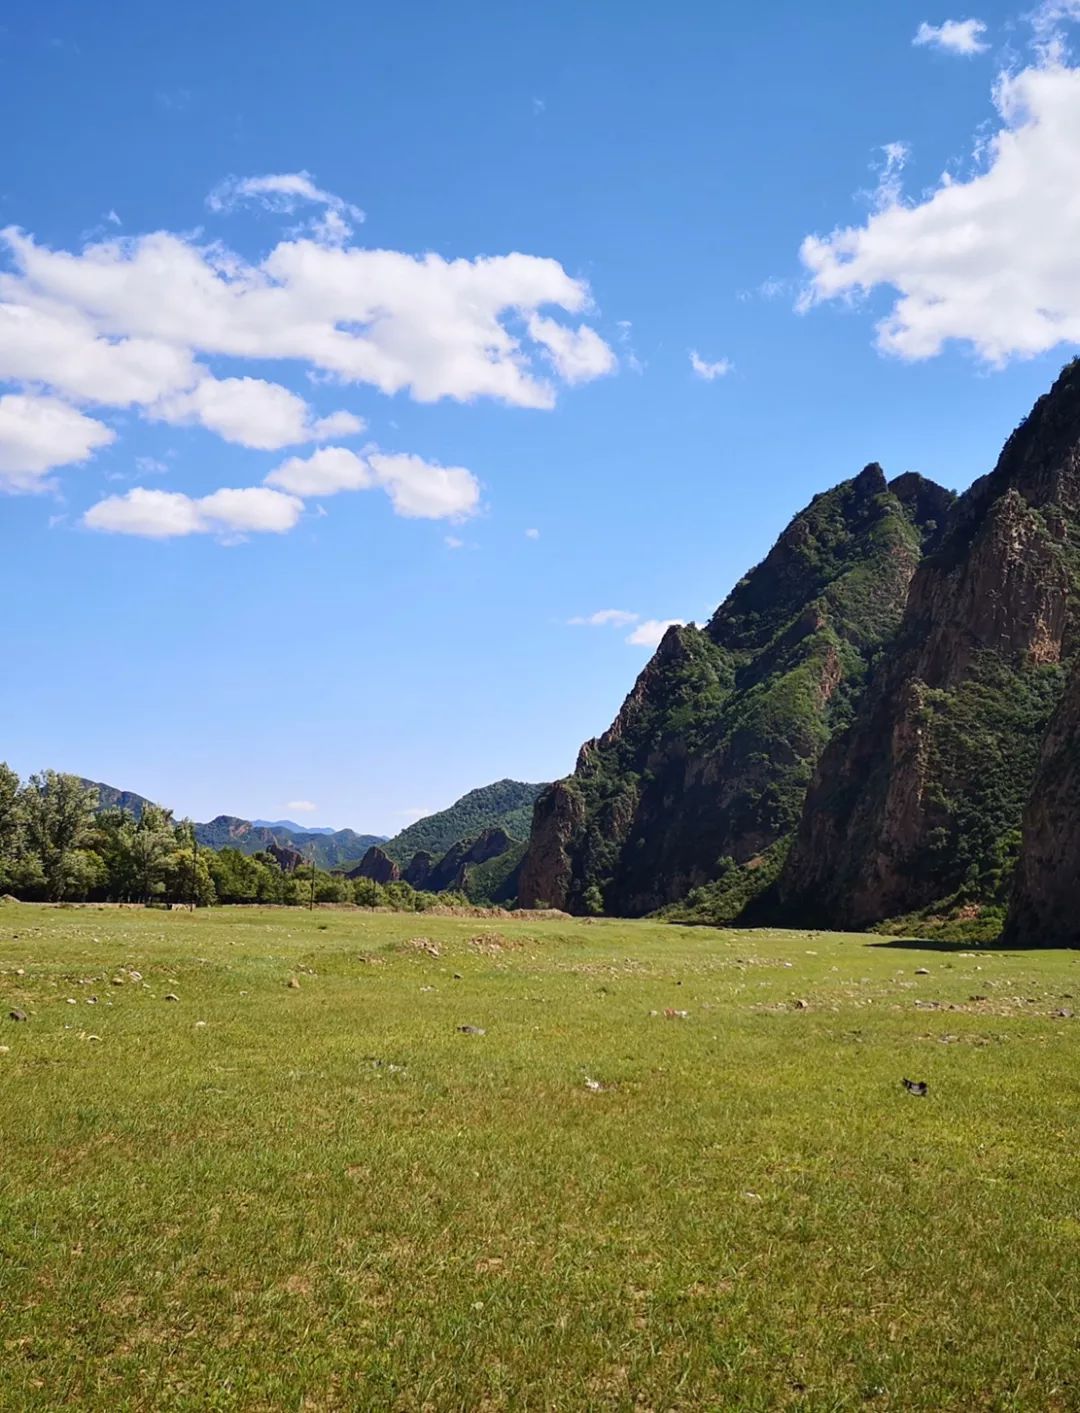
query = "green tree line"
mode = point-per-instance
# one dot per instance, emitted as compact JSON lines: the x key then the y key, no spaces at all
{"x":57,"y":846}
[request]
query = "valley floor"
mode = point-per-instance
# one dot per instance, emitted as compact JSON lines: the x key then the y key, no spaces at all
{"x":329,"y":1195}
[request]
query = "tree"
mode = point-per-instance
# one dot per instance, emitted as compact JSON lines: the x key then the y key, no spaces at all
{"x":368,"y":894}
{"x":58,"y":811}
{"x":151,"y":847}
{"x":10,"y":824}
{"x":187,"y":878}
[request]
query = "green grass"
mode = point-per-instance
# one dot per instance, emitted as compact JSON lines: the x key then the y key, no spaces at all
{"x":330,"y":1198}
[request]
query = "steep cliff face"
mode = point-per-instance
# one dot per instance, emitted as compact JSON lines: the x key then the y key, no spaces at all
{"x":377,"y":866}
{"x":921,"y":800}
{"x":451,"y":870}
{"x":703,"y":772}
{"x":419,"y":869}
{"x":1045,"y":906}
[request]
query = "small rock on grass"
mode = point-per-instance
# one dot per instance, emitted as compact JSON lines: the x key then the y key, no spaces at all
{"x":922,"y":971}
{"x":17,"y":1015}
{"x":918,"y":1087}
{"x":472,"y":1030}
{"x":293,"y":984}
{"x":172,"y":996}
{"x":5,"y":1049}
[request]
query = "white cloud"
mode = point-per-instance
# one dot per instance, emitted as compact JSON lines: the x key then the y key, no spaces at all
{"x":418,"y":489}
{"x":150,"y":466}
{"x":424,"y":490}
{"x":252,"y":413}
{"x":337,"y":424}
{"x":452,"y":542}
{"x":990,"y":261}
{"x":285,"y":192}
{"x":38,"y":434}
{"x":605,"y":618}
{"x":433,"y":327}
{"x":577,"y":355}
{"x":889,"y":189}
{"x":302,"y":806}
{"x":649,"y":633}
{"x":133,"y":322}
{"x":1048,"y":35}
{"x":154,"y":514}
{"x":165,"y":514}
{"x":954,"y":36}
{"x":52,"y":344}
{"x":709,"y":371}
{"x":532,"y":534}
{"x":324,"y":473}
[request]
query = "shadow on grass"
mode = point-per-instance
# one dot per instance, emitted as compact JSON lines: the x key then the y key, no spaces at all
{"x":932,"y":944}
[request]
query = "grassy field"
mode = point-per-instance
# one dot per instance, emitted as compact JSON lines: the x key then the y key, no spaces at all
{"x":327,"y":1195}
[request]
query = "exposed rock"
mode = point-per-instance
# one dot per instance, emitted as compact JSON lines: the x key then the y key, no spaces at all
{"x":377,"y":866}
{"x":917,"y":801}
{"x":1045,"y":908}
{"x":419,"y":869}
{"x":451,"y":870}
{"x":548,"y":869}
{"x":288,"y":860}
{"x":702,"y":775}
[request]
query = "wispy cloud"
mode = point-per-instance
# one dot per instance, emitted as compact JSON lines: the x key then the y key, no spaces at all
{"x":605,"y":618}
{"x":649,"y":633}
{"x":953,"y":36}
{"x":709,"y":371}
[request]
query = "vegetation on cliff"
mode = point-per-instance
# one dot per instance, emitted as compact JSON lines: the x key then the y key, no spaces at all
{"x":700,"y":781}
{"x":506,"y":804}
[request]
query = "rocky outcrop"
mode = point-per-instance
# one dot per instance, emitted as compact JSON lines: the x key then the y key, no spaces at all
{"x":1045,"y":907}
{"x":704,"y":770}
{"x":547,"y":872}
{"x":288,"y":860}
{"x":450,"y":872}
{"x":377,"y":866}
{"x":921,"y":799}
{"x":419,"y":869}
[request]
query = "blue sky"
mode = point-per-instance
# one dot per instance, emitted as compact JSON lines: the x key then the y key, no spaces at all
{"x":445,"y":461}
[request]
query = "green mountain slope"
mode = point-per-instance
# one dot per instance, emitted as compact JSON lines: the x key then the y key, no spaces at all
{"x":699,"y":783}
{"x":506,"y":804}
{"x":918,"y":808}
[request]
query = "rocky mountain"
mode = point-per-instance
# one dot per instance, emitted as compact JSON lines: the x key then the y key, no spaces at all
{"x":700,"y":780}
{"x":1045,"y":903}
{"x":110,"y":798}
{"x":507,"y":805}
{"x":377,"y":866}
{"x":418,"y":871}
{"x":452,"y":870}
{"x":918,"y":806}
{"x":328,"y":850}
{"x":292,"y":826}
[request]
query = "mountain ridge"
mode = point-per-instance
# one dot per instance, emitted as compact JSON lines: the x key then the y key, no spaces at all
{"x":702,"y":774}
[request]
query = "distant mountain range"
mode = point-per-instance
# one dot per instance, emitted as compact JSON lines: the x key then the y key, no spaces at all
{"x":505,"y":805}
{"x":331,"y":848}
